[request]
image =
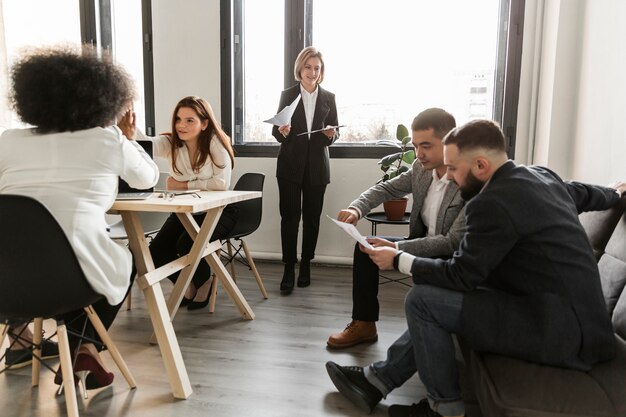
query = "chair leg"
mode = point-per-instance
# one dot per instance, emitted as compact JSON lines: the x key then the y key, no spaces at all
{"x":66,"y":369}
{"x":259,"y":281}
{"x":129,"y":298}
{"x":37,"y":336}
{"x":4,"y":330}
{"x":213,"y":294}
{"x":229,"y":245}
{"x":111,"y":347}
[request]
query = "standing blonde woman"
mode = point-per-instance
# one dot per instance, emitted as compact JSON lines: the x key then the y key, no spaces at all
{"x":303,"y":165}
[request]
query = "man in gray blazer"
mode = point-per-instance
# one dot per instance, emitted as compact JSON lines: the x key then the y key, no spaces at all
{"x":436,"y":226}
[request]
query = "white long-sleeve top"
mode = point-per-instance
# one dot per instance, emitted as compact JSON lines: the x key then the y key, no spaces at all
{"x":210,"y":176}
{"x":75,"y":176}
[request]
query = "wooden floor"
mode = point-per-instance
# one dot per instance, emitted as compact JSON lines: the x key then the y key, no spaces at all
{"x":270,"y":366}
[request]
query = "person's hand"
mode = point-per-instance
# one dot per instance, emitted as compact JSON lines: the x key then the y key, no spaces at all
{"x":330,"y":133}
{"x":348,"y":216}
{"x":620,"y":186}
{"x":378,"y":242}
{"x":128,"y":124}
{"x":382,"y":256}
{"x":173,"y":184}
{"x":284,"y":130}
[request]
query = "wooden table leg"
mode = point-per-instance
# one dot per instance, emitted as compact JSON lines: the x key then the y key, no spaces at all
{"x":155,"y":301}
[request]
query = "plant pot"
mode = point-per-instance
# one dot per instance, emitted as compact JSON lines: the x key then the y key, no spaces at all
{"x":394,"y":209}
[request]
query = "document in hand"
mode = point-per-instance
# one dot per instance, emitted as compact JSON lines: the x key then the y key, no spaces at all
{"x":283,"y":117}
{"x":352,"y":231}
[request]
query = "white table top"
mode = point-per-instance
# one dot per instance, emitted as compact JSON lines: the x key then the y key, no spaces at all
{"x":185,"y":203}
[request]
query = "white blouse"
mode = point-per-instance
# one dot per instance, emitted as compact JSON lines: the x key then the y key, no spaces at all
{"x":75,"y":176}
{"x":210,"y":176}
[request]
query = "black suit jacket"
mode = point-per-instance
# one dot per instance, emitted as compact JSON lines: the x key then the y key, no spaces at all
{"x":532,"y":282}
{"x":297,"y":151}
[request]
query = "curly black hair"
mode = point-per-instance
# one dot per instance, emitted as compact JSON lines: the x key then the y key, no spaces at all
{"x":61,"y":88}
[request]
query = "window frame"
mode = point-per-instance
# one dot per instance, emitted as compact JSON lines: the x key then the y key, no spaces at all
{"x":299,"y":34}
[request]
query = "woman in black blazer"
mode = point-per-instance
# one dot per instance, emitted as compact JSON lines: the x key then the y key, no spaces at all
{"x":303,"y":166}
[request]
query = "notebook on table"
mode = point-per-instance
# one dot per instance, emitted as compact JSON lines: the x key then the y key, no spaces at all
{"x":125,"y":191}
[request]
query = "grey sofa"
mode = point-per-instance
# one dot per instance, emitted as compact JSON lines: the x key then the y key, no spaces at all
{"x":497,"y":386}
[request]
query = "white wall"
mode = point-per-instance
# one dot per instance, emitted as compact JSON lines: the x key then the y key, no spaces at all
{"x":600,"y":136}
{"x":573,"y":92}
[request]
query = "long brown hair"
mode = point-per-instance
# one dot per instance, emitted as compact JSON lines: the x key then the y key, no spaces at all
{"x":205,"y":112}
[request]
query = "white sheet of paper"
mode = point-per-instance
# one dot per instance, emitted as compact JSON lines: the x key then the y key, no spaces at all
{"x":283,"y":117}
{"x":352,"y":231}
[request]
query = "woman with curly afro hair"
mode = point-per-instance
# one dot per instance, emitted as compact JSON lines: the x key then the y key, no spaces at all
{"x":70,"y":161}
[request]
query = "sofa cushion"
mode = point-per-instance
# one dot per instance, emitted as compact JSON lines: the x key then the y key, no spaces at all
{"x":599,"y":225}
{"x":508,"y":387}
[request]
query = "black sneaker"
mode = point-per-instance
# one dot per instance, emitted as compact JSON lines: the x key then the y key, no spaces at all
{"x":351,"y":382}
{"x":18,"y":358}
{"x":421,"y":409}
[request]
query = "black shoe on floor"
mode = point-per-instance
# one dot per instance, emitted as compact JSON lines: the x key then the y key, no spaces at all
{"x":304,"y":276}
{"x":18,"y":358}
{"x":351,"y":382}
{"x":289,"y":276}
{"x":421,"y":409}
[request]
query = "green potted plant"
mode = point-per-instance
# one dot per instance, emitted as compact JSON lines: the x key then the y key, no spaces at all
{"x":393,"y":165}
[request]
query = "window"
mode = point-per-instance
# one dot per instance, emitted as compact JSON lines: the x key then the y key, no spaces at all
{"x":110,"y":24}
{"x":385,"y":61}
{"x":27,"y":23}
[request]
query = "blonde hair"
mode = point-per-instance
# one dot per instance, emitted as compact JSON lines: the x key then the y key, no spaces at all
{"x":303,"y":57}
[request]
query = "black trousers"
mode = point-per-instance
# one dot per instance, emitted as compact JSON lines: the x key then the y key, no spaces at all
{"x":299,"y":200}
{"x":76,"y":320}
{"x":365,"y":285}
{"x":173,"y":241}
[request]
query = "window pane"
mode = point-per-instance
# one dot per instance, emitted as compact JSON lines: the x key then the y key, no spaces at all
{"x":387,"y":61}
{"x":263,"y":66}
{"x":128,"y":47}
{"x":27,"y":23}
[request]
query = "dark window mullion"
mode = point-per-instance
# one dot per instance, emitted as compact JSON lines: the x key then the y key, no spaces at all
{"x":512,"y":77}
{"x":88,"y":27}
{"x":148,"y":66}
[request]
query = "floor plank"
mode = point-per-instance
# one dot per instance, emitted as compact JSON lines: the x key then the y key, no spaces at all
{"x":270,"y":366}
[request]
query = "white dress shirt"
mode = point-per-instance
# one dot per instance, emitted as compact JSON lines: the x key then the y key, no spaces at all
{"x":308,"y":101}
{"x":432,"y":202}
{"x":75,"y":176}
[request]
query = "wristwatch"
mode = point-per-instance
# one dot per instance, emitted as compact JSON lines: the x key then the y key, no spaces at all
{"x":396,"y":259}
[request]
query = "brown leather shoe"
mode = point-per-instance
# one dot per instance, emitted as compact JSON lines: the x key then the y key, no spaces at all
{"x":356,"y":332}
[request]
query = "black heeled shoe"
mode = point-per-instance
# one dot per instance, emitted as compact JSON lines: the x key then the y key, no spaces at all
{"x":185,"y":301}
{"x":197,"y":305}
{"x":289,"y":276}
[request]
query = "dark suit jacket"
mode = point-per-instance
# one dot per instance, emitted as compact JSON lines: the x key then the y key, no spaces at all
{"x":296,"y":151}
{"x":540,"y":297}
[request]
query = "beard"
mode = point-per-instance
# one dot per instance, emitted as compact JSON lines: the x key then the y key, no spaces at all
{"x":471,"y":187}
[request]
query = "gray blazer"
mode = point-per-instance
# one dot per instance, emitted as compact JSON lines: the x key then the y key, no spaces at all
{"x":450,"y":219}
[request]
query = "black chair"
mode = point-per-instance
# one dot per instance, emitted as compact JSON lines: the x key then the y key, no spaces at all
{"x":249,"y":219}
{"x":42,"y":278}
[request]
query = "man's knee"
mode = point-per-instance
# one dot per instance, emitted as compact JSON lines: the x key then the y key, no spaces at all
{"x":419,"y":299}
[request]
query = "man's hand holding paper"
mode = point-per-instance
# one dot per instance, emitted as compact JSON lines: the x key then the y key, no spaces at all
{"x":353,"y":232}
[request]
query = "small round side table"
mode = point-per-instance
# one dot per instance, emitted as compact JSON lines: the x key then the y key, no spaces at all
{"x":378,"y":217}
